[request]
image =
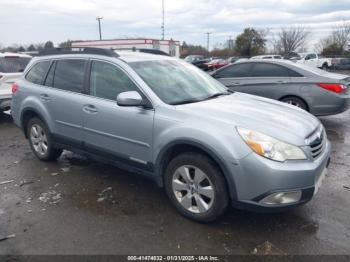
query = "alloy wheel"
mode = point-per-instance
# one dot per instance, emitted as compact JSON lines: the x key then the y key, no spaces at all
{"x":193,"y":189}
{"x":38,"y":139}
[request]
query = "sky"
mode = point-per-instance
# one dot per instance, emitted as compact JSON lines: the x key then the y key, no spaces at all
{"x":36,"y":21}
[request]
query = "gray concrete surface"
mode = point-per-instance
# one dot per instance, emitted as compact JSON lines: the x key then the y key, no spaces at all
{"x":76,"y":206}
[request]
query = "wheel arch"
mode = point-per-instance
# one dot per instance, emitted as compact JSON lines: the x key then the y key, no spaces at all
{"x":175,"y":148}
{"x":26,"y":115}
{"x":298,"y":97}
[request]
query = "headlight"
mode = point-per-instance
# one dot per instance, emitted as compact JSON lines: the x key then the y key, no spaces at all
{"x":270,"y":147}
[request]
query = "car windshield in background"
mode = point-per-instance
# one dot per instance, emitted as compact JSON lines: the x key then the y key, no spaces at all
{"x":13,"y":64}
{"x":176,"y":82}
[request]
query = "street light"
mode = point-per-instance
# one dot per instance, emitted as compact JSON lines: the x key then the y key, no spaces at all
{"x":99,"y":25}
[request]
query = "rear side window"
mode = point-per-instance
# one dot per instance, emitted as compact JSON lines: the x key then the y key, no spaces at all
{"x":272,"y":70}
{"x":236,"y":70}
{"x":107,"y":81}
{"x":38,"y":72}
{"x":69,"y":75}
{"x":13,"y":64}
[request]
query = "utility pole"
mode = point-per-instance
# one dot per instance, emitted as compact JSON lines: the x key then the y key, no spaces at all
{"x":208,"y":34}
{"x":99,"y":25}
{"x":163,"y":27}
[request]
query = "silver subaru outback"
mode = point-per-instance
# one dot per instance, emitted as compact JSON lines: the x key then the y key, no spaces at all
{"x":166,"y":119}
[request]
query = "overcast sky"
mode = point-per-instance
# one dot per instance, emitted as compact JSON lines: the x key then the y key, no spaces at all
{"x":34,"y":21}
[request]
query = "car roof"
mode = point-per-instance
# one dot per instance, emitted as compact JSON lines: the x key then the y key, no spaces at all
{"x":139,"y":57}
{"x":126,"y":56}
{"x":13,"y":54}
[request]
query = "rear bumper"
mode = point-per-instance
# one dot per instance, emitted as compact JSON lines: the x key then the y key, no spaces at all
{"x":340,"y":103}
{"x":5,"y":103}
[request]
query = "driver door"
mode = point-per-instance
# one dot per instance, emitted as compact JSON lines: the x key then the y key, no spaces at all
{"x":119,"y":132}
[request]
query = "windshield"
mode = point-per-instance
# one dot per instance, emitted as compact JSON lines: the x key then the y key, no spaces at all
{"x":13,"y":64}
{"x":177,"y":82}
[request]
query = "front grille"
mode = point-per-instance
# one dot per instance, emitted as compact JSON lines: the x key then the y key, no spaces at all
{"x":316,"y":142}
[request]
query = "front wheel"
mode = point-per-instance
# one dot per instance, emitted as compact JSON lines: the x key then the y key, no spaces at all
{"x":40,"y":141}
{"x":196,"y":187}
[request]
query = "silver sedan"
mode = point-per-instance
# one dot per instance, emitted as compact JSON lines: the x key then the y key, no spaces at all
{"x":312,"y":89}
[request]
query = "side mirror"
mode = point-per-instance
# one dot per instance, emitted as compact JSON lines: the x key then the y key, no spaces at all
{"x":130,"y":98}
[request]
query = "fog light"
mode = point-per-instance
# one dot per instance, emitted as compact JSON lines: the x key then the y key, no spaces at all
{"x":282,"y":198}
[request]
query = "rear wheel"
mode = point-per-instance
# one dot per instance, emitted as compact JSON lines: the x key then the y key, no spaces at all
{"x":196,"y":187}
{"x":295,"y":101}
{"x":40,"y":141}
{"x":324,"y":67}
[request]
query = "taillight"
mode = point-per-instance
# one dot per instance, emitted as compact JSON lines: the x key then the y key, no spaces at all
{"x":336,"y":88}
{"x":14,"y":88}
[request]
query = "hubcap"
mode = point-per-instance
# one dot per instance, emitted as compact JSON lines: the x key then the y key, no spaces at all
{"x":294,"y":103}
{"x":38,"y":139}
{"x":193,"y":189}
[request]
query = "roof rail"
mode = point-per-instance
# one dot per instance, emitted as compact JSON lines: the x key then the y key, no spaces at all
{"x":78,"y":50}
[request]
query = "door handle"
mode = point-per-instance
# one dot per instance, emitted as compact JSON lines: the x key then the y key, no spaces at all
{"x":282,"y":82}
{"x":44,"y":97}
{"x":90,"y":109}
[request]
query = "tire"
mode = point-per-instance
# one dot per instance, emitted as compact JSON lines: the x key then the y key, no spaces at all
{"x":40,"y":138}
{"x":295,"y":101}
{"x":203,"y":202}
{"x":324,"y":67}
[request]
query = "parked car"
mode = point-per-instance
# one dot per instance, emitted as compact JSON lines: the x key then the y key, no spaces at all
{"x":312,"y":89}
{"x":266,"y":57}
{"x":342,"y":64}
{"x":166,"y":119}
{"x":202,"y":64}
{"x":211,"y":65}
{"x":314,"y":60}
{"x":193,"y":58}
{"x":11,"y":67}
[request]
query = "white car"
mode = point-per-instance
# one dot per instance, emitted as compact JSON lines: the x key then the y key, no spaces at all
{"x":11,"y":67}
{"x":266,"y":57}
{"x":314,"y":60}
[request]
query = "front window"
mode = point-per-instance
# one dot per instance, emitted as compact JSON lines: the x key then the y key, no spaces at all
{"x":177,"y":82}
{"x":13,"y":64}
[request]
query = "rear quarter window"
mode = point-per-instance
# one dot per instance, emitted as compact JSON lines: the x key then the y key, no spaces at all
{"x":272,"y":70}
{"x":38,"y":72}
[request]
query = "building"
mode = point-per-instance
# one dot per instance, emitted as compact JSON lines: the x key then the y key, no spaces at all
{"x":169,"y":46}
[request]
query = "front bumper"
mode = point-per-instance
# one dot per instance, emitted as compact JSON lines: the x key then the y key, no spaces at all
{"x":257,"y":177}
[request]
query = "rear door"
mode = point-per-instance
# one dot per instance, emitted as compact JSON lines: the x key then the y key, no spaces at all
{"x":311,"y":60}
{"x":268,"y":80}
{"x":64,"y":98}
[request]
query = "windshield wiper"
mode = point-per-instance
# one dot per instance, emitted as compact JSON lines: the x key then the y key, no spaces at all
{"x":228,"y":92}
{"x":218,"y":94}
{"x":189,"y":101}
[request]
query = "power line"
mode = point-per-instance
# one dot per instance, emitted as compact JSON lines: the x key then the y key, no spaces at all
{"x":99,"y":25}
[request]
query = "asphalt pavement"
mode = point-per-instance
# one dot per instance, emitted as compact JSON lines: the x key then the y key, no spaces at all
{"x":78,"y":206}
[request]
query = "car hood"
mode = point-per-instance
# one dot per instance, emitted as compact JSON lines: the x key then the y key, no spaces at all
{"x":279,"y":120}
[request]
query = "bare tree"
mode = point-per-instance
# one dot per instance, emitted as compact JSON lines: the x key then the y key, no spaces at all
{"x":292,"y":38}
{"x":336,"y":43}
